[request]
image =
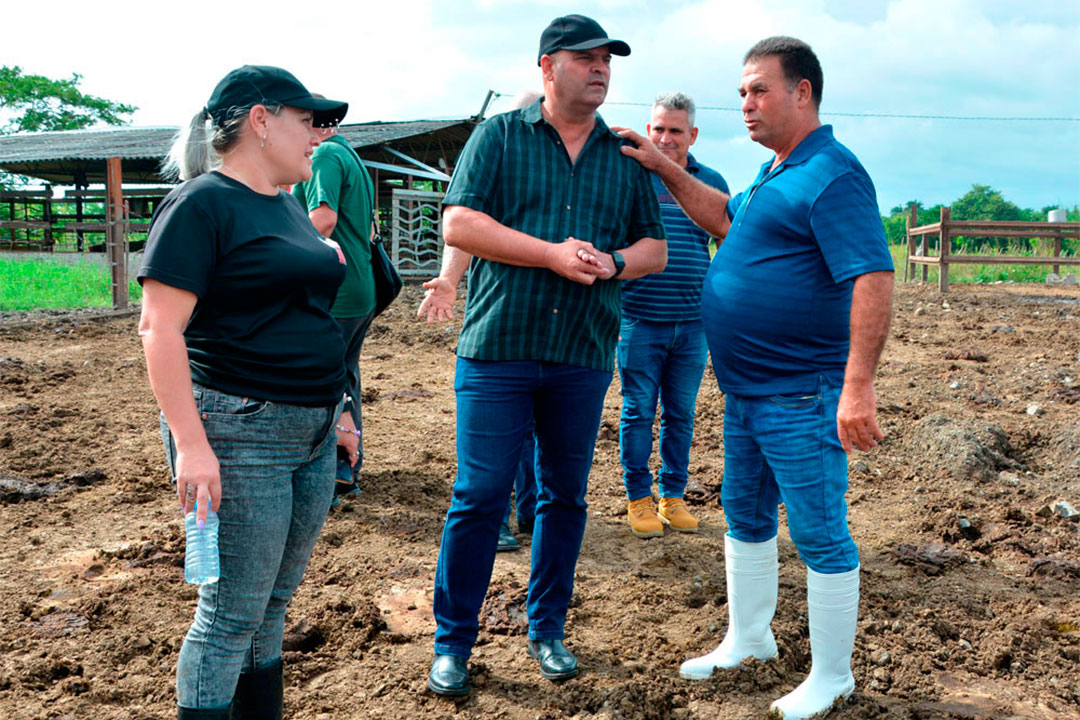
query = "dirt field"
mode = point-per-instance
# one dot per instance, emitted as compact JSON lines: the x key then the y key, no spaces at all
{"x":971,"y":581}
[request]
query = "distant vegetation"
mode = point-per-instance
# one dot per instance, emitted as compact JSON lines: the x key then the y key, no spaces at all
{"x":983,"y":202}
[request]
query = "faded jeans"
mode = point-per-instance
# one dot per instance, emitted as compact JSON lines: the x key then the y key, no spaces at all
{"x":277,"y":479}
{"x":661,"y":361}
{"x":785,"y":448}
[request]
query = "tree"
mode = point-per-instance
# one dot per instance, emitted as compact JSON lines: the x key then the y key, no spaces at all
{"x":982,"y":202}
{"x":32,"y":103}
{"x":36,"y":103}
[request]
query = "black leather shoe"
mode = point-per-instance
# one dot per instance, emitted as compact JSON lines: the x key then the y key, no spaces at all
{"x":556,"y":662}
{"x":507,"y":541}
{"x":449,"y":676}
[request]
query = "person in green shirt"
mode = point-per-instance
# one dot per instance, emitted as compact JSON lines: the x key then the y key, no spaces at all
{"x":339,"y":200}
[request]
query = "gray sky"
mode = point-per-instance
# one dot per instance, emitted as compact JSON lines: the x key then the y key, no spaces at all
{"x":415,"y":59}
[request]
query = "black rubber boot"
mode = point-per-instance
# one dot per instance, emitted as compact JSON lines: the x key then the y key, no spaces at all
{"x":259,"y":695}
{"x":183,"y":713}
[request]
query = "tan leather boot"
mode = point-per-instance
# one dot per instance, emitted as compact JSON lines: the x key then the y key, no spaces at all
{"x":643,"y":520}
{"x":673,"y":511}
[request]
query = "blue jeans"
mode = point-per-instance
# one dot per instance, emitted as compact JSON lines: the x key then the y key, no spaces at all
{"x":658,"y":361}
{"x":785,"y":448}
{"x":497,"y":403}
{"x":524,"y":486}
{"x":277,"y":479}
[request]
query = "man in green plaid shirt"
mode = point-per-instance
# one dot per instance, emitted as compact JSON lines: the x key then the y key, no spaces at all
{"x":554,"y":217}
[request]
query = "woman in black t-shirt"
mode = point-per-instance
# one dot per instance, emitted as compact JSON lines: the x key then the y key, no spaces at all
{"x":246,"y":364}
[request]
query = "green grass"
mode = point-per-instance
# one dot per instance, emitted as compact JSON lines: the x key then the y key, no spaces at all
{"x":985,"y":274}
{"x":38,"y":284}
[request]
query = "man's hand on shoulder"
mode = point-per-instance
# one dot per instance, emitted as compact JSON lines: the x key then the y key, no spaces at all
{"x":645,"y":153}
{"x":856,"y":417}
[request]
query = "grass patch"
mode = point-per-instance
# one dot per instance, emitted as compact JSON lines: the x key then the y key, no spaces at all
{"x":986,"y":274}
{"x":48,"y":284}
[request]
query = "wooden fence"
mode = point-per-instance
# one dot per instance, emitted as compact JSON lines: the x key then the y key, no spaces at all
{"x":947,"y":229}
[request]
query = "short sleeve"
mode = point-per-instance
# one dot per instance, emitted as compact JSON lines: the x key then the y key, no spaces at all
{"x":477,"y":170}
{"x":327,"y":179}
{"x":645,"y":220}
{"x":181,"y":248}
{"x":847,"y":227}
{"x":733,"y":205}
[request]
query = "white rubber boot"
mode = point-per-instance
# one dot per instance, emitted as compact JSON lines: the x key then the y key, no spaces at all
{"x":834,"y":610}
{"x":752,"y":571}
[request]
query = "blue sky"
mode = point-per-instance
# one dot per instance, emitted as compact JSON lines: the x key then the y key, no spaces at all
{"x":417,"y":59}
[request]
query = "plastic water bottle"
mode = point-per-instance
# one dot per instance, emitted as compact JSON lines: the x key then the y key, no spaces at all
{"x":202,"y":564}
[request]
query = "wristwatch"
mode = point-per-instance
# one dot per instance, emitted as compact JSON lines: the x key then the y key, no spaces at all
{"x":620,"y":264}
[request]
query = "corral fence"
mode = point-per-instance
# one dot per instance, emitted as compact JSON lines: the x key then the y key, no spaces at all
{"x":82,"y":220}
{"x":921,"y":250}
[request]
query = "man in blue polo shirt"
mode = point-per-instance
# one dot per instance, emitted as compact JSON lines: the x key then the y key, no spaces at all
{"x":661,"y":352}
{"x":796,"y":305}
{"x":553,"y":215}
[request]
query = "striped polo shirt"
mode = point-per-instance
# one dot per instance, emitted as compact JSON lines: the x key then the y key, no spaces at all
{"x":674,"y":295}
{"x":515,"y":169}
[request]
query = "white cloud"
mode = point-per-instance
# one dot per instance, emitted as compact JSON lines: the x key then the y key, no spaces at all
{"x":421,"y":58}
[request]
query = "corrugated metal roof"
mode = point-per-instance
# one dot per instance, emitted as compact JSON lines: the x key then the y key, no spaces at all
{"x":59,"y":156}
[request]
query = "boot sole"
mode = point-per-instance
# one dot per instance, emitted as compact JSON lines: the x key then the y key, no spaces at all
{"x":676,"y":528}
{"x":447,"y":692}
{"x":550,"y":675}
{"x":838,"y":704}
{"x":639,"y":534}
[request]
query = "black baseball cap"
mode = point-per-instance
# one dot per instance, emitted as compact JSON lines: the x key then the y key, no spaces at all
{"x":577,"y":32}
{"x":252,"y":85}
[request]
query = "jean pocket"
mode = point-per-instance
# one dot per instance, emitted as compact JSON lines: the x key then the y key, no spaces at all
{"x":795,"y":401}
{"x":216,"y":404}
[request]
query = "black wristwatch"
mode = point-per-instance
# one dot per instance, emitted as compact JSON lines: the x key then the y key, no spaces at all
{"x":620,"y":264}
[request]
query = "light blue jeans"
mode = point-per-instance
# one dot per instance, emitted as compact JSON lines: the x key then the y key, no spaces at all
{"x":784,"y":448}
{"x":277,"y":479}
{"x":658,"y":361}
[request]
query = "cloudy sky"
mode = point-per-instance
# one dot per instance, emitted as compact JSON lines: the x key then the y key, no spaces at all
{"x":414,"y":59}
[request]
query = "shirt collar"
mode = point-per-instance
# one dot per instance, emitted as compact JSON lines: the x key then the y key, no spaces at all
{"x":692,"y":165}
{"x":533,"y":116}
{"x":810,"y":145}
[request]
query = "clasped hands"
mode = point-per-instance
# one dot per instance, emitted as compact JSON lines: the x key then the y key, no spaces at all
{"x":579,"y":261}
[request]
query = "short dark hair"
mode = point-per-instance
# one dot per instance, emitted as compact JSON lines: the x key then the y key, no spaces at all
{"x":797,"y":60}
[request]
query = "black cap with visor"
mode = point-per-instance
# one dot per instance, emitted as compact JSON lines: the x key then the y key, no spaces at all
{"x":577,"y":32}
{"x":252,"y":85}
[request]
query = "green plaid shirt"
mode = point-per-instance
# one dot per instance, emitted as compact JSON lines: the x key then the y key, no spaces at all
{"x":515,"y":169}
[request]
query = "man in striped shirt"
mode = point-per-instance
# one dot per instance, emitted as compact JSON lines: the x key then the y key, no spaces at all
{"x":662,"y":350}
{"x":554,"y":216}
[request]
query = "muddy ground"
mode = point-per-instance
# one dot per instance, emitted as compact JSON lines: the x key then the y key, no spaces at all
{"x":971,"y":580}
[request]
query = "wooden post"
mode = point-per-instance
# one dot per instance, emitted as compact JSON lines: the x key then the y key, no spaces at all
{"x":912,"y":221}
{"x":1057,"y":250}
{"x":116,"y":235}
{"x":946,"y":250}
{"x":46,"y":216}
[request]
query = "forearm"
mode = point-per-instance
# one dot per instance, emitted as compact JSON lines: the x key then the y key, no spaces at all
{"x":170,"y":379}
{"x":324,"y":219}
{"x":703,"y":204}
{"x":475,"y":233}
{"x":455,"y":262}
{"x":871,"y":313}
{"x":647,"y":255}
